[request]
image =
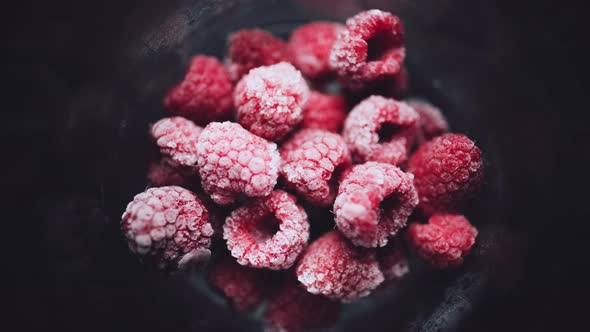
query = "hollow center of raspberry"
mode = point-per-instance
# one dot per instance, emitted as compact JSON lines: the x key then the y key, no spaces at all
{"x":387,"y":131}
{"x":265,"y":229}
{"x":379,"y":44}
{"x":389,"y":204}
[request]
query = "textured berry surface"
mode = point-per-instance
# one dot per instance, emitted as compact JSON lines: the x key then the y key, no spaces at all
{"x":310,"y":160}
{"x":448,"y":171}
{"x":444,"y":241}
{"x":374,"y":202}
{"x":168,"y":226}
{"x":432,"y":123}
{"x":205,"y":93}
{"x":393,"y":260}
{"x":244,"y":287}
{"x":334,"y":267}
{"x":324,"y":111}
{"x":380,"y":129}
{"x":292,"y":308}
{"x":311,"y":45}
{"x":177,"y":139}
{"x":269,"y":232}
{"x":231,"y":161}
{"x":251,"y":48}
{"x":270,"y":100}
{"x":165,"y":172}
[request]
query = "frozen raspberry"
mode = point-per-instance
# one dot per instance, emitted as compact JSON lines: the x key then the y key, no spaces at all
{"x":269,"y":100}
{"x":165,"y":172}
{"x":251,"y":48}
{"x":269,"y":232}
{"x":448,"y":171}
{"x":311,"y":45}
{"x":324,"y":111}
{"x":177,"y":139}
{"x":244,"y":287}
{"x":431,"y":124}
{"x":369,"y":49}
{"x":232,"y":161}
{"x":168,"y":227}
{"x":393,"y":260}
{"x":380,"y":129}
{"x":444,"y":241}
{"x":292,"y":308}
{"x":374,"y":202}
{"x":334,"y":267}
{"x":205,"y":93}
{"x":312,"y":159}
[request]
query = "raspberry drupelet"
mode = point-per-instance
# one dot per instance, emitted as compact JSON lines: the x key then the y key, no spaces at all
{"x":334,"y":267}
{"x":444,"y":242}
{"x":393,"y":260}
{"x":369,"y":49}
{"x":311,"y":161}
{"x":251,"y":48}
{"x":380,"y":129}
{"x":311,"y":45}
{"x":448,"y":171}
{"x":177,"y":137}
{"x":270,"y":100}
{"x":232,"y":161}
{"x":269,"y":232}
{"x":432,"y":122}
{"x":374,"y":202}
{"x":324,"y":111}
{"x":168,"y":227}
{"x":205,"y":93}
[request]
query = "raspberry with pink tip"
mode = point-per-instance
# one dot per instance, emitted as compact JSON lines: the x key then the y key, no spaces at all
{"x":270,"y":100}
{"x":334,"y":267}
{"x":448,"y":172}
{"x":374,"y":202}
{"x":324,"y":111}
{"x":380,"y":129}
{"x":205,"y":93}
{"x":268,"y":232}
{"x":444,"y":242}
{"x":232,"y":161}
{"x":177,"y":138}
{"x":311,"y":45}
{"x":432,"y":122}
{"x":168,"y":227}
{"x":312,"y":159}
{"x":393,"y":260}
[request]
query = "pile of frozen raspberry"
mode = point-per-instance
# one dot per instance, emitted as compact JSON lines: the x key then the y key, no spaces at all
{"x":253,"y":150}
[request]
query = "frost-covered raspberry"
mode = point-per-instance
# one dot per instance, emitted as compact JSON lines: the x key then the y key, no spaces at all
{"x":448,"y":171}
{"x":251,"y":48}
{"x":177,"y":139}
{"x":374,"y":202}
{"x":165,"y":172}
{"x":270,"y":100}
{"x":168,"y":227}
{"x":432,"y":123}
{"x":292,"y":308}
{"x":324,"y":111}
{"x":311,"y":45}
{"x":393,"y":260}
{"x":244,"y":287}
{"x":231,"y":161}
{"x":380,"y":129}
{"x":444,"y":242}
{"x":311,"y":160}
{"x":269,"y":232}
{"x":334,"y":267}
{"x":369,"y":49}
{"x":205,"y":93}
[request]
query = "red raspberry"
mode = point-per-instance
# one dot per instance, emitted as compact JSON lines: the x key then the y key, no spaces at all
{"x":369,"y":49}
{"x":324,"y":111}
{"x":269,"y":100}
{"x":380,"y":129}
{"x":168,"y":226}
{"x":448,"y":172}
{"x":312,"y":159}
{"x":332,"y":266}
{"x":269,"y":232}
{"x":292,"y":308}
{"x":244,"y":287}
{"x":251,"y":48}
{"x":204,"y":95}
{"x":311,"y":45}
{"x":431,"y":124}
{"x":393,"y":260}
{"x":374,"y":202}
{"x":444,"y":241}
{"x":164,"y":172}
{"x":231,"y":161}
{"x":177,"y":139}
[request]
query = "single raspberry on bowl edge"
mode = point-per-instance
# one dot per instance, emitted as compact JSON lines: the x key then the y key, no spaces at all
{"x":311,"y":45}
{"x":432,"y":122}
{"x":177,"y":137}
{"x":324,"y":111}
